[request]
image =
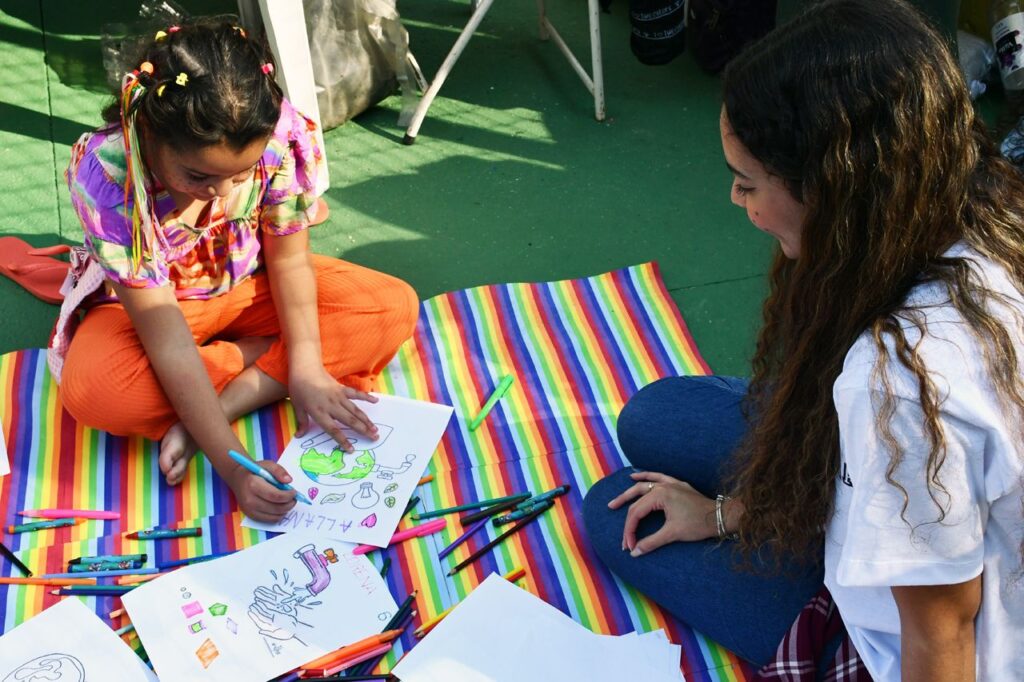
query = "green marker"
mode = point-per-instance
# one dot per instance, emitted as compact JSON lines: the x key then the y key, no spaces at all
{"x":502,"y":389}
{"x":39,"y":525}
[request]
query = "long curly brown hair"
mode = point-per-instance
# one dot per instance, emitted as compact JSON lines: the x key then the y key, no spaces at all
{"x":859,"y":106}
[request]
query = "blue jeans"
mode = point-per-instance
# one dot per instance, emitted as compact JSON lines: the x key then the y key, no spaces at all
{"x":686,"y":427}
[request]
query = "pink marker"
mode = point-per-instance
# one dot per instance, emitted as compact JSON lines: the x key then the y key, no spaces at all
{"x":402,"y":535}
{"x":71,"y":514}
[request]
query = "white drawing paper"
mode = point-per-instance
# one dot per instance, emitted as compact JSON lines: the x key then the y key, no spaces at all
{"x":360,"y":496}
{"x":501,"y":633}
{"x":68,"y":643}
{"x":260,"y":612}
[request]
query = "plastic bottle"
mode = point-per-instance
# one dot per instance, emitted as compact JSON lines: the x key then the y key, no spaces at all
{"x":1008,"y":39}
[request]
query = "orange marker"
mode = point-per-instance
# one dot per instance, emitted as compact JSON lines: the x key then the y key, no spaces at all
{"x":426,"y":479}
{"x":57,"y":582}
{"x":345,"y":652}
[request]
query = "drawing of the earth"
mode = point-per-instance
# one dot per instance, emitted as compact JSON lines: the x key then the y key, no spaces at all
{"x":336,"y":467}
{"x":53,"y":667}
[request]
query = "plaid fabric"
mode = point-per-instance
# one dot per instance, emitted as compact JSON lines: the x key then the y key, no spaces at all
{"x":798,"y":656}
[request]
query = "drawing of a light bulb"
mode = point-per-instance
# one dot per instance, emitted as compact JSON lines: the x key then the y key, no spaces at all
{"x":366,"y":497}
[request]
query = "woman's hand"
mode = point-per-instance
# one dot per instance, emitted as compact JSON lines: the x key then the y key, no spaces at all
{"x":689,"y":516}
{"x":318,"y":396}
{"x":258,"y":499}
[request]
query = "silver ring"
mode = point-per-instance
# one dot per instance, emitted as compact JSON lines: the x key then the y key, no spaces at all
{"x":650,"y":487}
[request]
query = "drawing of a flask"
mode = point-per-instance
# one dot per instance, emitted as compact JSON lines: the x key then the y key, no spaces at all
{"x":317,"y":565}
{"x":366,"y":497}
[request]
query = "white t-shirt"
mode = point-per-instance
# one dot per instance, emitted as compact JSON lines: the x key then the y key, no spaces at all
{"x":870,"y":548}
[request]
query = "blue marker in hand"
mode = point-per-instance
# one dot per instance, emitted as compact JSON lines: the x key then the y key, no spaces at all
{"x":255,"y":468}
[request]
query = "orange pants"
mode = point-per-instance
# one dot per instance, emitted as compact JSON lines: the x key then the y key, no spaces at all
{"x":108,"y":383}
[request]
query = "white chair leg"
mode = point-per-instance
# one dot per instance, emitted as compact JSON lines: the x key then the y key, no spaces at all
{"x":597,"y":67}
{"x":445,"y":69}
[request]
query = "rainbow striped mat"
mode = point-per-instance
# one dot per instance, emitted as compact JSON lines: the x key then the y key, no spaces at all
{"x":578,"y":349}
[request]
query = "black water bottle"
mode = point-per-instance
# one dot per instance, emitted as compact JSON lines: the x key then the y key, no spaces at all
{"x":658,"y":30}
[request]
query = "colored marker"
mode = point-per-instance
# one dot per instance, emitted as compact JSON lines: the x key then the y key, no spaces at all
{"x":93,"y":591}
{"x":403,"y":535}
{"x":104,"y":566}
{"x":165,"y":533}
{"x":489,"y":511}
{"x":426,"y":479}
{"x":164,"y":565}
{"x":490,"y":545}
{"x":40,"y":525}
{"x":109,"y":557}
{"x":413,"y":501}
{"x":521,"y":513}
{"x":126,"y":629}
{"x":371,"y":642}
{"x":549,"y":495}
{"x":462,"y":538}
{"x":102,"y":574}
{"x":385,"y":567}
{"x":47,"y":581}
{"x":14,"y":560}
{"x":470,"y":505}
{"x":502,"y":389}
{"x":71,"y":513}
{"x":254,"y":468}
{"x":136,"y":579}
{"x":367,"y":666}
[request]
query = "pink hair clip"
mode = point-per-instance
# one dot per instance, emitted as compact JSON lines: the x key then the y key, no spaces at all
{"x":267,"y":68}
{"x":174,"y":29}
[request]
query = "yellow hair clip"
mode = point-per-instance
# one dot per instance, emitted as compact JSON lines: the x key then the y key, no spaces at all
{"x":160,"y":89}
{"x":160,"y":35}
{"x":241,"y":31}
{"x":182,"y":79}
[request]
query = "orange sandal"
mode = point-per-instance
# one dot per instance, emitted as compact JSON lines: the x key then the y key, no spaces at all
{"x":35,"y":269}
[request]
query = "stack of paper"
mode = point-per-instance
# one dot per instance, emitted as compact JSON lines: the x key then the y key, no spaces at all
{"x":501,"y":633}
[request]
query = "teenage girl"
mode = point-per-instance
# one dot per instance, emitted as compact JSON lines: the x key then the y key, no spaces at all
{"x":878,"y":446}
{"x":208,"y":304}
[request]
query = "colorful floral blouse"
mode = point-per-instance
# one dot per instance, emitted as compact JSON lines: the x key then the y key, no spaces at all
{"x":207,"y":259}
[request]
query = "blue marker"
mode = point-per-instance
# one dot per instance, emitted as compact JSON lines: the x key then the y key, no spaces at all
{"x":254,"y":468}
{"x":549,"y":495}
{"x":164,"y":565}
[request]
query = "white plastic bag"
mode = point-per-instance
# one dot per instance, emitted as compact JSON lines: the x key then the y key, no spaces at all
{"x":360,"y":54}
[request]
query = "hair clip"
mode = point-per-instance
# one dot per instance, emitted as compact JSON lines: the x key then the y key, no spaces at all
{"x":160,"y":89}
{"x":146,"y":67}
{"x":267,"y":68}
{"x":241,"y":31}
{"x":174,"y":29}
{"x":160,"y":35}
{"x":182,"y":79}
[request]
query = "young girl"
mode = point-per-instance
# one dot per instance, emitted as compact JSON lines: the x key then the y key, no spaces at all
{"x":880,"y":448}
{"x":195,"y":201}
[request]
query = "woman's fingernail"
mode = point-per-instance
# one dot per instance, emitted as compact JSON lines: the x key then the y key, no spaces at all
{"x":623,"y":546}
{"x":636,"y":552}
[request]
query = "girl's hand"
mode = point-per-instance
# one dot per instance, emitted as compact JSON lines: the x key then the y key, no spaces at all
{"x":318,"y":396}
{"x":258,"y":499}
{"x":689,"y":516}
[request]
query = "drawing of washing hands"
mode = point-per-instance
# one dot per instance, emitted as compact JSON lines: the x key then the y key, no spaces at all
{"x":278,"y":612}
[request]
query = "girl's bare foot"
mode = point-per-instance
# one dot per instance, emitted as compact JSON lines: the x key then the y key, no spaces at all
{"x":176,"y":450}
